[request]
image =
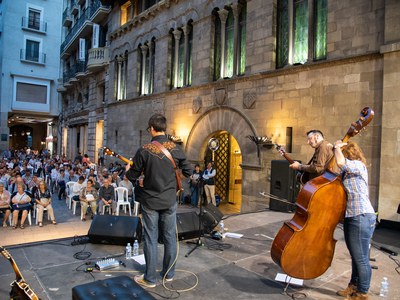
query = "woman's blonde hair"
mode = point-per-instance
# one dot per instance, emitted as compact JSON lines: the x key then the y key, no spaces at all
{"x":353,"y":152}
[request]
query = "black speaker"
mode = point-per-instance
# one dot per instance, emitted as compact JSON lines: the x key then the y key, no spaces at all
{"x":188,"y":225}
{"x":283,"y":185}
{"x":116,"y":230}
{"x":210,"y":217}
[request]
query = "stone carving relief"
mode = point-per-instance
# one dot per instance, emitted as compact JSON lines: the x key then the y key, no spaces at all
{"x":158,"y":106}
{"x":249,"y":99}
{"x":220,"y":97}
{"x":197,"y":105}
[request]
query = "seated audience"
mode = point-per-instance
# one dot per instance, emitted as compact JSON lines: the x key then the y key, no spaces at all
{"x":43,"y":200}
{"x":21,"y":202}
{"x":88,"y":197}
{"x":4,"y":203}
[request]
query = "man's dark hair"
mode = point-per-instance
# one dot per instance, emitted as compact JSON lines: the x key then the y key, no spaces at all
{"x":81,"y":178}
{"x":90,"y":180}
{"x":315,"y":131}
{"x":158,"y":122}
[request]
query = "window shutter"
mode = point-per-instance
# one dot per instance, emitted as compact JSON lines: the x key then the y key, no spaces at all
{"x":95,"y":36}
{"x":82,"y":49}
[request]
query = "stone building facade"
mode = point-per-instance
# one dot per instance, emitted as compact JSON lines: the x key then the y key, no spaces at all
{"x":268,"y":69}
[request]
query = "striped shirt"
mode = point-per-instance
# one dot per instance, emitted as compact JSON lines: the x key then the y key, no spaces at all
{"x":355,"y":181}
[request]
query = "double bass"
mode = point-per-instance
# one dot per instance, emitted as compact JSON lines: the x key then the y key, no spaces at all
{"x":304,"y":246}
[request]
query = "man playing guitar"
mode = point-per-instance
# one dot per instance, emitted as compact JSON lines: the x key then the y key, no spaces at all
{"x":322,"y":155}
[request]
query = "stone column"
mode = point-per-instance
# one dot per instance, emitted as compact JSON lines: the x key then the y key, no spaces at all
{"x":151,"y":67}
{"x":119,"y":78}
{"x":236,"y":12}
{"x":186,"y":32}
{"x":177,"y":35}
{"x":223,"y":15}
{"x":144,"y":49}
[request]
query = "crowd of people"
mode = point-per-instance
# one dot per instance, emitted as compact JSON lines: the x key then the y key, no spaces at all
{"x":30,"y":181}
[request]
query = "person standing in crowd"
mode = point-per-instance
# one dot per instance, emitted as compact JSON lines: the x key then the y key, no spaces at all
{"x":360,"y":218}
{"x":107,"y":197}
{"x":322,"y":155}
{"x":195,"y":185}
{"x":157,"y":197}
{"x":43,"y":200}
{"x":209,"y":183}
{"x":5,"y":203}
{"x":62,"y":185}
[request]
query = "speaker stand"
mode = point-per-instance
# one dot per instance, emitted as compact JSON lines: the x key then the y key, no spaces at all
{"x":199,"y":242}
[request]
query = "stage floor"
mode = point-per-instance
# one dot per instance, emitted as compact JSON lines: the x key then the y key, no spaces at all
{"x":228,"y":269}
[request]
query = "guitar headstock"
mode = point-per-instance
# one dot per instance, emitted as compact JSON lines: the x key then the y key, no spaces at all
{"x":109,"y":152}
{"x":5,"y":253}
{"x":366,"y":116}
{"x":280,"y":149}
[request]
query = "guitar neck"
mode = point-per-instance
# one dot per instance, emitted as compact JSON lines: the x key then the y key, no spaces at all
{"x":8,"y":256}
{"x":288,"y":158}
{"x":124,"y":159}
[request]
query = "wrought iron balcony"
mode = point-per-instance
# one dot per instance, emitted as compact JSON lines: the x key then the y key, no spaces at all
{"x":67,"y":20}
{"x":98,"y":58}
{"x":32,"y":56}
{"x":89,"y":15}
{"x":75,"y":71}
{"x":31,"y":24}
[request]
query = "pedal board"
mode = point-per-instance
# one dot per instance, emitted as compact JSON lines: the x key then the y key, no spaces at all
{"x":106,"y":264}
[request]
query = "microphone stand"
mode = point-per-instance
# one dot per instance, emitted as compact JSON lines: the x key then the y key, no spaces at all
{"x":199,"y":242}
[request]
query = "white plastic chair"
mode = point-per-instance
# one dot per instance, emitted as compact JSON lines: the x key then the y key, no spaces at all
{"x":121,"y":196}
{"x":136,"y":208}
{"x":29,"y":217}
{"x":68,"y":198}
{"x":37,"y":212}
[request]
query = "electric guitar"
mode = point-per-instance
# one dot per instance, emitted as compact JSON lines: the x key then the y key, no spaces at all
{"x":301,"y":177}
{"x":20,"y":289}
{"x":109,"y":152}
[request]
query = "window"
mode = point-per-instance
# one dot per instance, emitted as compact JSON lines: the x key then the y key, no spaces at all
{"x":299,"y":37}
{"x":120,"y":75}
{"x":34,"y":19}
{"x":147,"y":67}
{"x":181,"y":56}
{"x":32,"y":50}
{"x":31,"y":94}
{"x":230,"y":41}
{"x":126,"y":12}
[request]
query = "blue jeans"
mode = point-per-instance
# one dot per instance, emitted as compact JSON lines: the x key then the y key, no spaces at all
{"x":358,"y":233}
{"x":167,"y":220}
{"x":194,"y":190}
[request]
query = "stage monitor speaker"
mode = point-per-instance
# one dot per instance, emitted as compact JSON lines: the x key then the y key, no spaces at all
{"x":210,"y":217}
{"x":188,"y":226}
{"x":283,"y":185}
{"x":116,"y":230}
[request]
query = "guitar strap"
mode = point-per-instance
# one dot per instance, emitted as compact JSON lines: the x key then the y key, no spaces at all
{"x":168,"y":154}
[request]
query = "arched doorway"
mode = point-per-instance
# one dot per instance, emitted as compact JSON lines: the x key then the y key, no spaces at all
{"x":227,"y":162}
{"x":227,"y":119}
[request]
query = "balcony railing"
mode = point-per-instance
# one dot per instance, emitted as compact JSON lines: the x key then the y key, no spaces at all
{"x":79,"y":67}
{"x":86,"y":15}
{"x":33,"y":25}
{"x":35,"y":57}
{"x":98,"y":57}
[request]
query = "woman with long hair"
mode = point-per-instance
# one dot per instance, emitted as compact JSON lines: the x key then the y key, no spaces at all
{"x":360,"y":218}
{"x":43,"y":200}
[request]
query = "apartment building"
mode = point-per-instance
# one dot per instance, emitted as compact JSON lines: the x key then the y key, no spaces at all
{"x":29,"y":34}
{"x":243,"y":75}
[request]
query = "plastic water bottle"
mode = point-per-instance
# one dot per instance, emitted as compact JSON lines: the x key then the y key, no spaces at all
{"x":222,"y":227}
{"x":128,"y":251}
{"x":136,"y":248}
{"x":384,"y":288}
